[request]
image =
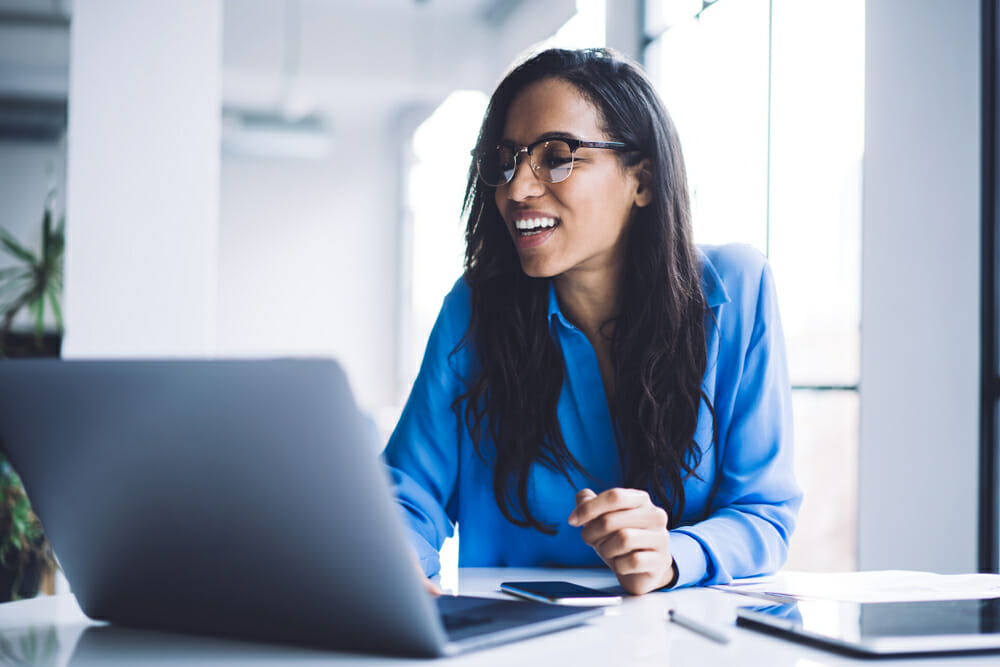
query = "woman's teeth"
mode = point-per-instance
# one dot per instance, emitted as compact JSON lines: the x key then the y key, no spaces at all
{"x":530,"y":226}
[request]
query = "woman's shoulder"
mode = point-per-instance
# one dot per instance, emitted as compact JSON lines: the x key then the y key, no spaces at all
{"x":733,"y":260}
{"x":731,"y":271}
{"x":456,"y":310}
{"x":458,"y":301}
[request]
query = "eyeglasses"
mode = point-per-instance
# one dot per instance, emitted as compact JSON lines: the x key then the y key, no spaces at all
{"x":551,"y":160}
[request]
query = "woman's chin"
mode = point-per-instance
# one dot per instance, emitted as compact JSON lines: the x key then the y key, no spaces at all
{"x":536,"y":269}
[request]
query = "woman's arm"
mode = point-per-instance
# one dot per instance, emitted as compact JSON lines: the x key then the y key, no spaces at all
{"x":758,"y":498}
{"x":422,"y":453}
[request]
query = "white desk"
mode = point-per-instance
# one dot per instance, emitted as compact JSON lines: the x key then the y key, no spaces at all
{"x":635,"y":633}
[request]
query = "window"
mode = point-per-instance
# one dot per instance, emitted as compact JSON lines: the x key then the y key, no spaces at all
{"x":435,"y":185}
{"x":768,"y":98}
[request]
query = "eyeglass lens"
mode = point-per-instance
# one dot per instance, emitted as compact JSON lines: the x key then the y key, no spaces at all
{"x":551,"y":161}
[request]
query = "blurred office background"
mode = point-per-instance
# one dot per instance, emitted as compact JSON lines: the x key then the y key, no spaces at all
{"x":284,"y":177}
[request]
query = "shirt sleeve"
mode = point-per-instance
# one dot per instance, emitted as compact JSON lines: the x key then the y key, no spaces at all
{"x":758,"y":498}
{"x":423,"y":452}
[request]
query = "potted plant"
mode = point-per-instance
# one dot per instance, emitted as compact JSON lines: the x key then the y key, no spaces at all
{"x":27,"y":564}
{"x":34,"y":282}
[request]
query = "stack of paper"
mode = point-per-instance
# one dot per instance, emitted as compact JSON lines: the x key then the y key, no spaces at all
{"x":873,"y":586}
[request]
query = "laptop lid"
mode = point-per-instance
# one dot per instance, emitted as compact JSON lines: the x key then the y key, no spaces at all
{"x":883,"y":628}
{"x":228,"y":497}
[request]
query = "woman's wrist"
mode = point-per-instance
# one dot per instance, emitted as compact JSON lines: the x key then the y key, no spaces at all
{"x":674,"y":574}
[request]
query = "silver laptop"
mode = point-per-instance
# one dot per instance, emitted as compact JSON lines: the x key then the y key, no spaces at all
{"x":233,"y":498}
{"x":883,"y":628}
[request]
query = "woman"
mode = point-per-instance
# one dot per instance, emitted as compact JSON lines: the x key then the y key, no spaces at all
{"x":596,"y":388}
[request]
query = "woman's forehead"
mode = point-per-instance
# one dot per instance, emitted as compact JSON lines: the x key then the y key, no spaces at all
{"x":551,"y":105}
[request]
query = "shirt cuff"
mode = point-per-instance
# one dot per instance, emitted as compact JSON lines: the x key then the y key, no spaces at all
{"x":427,"y":556}
{"x":692,"y":563}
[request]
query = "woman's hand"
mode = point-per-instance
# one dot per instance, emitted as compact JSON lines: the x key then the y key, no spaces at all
{"x":630,"y":534}
{"x":429,"y":585}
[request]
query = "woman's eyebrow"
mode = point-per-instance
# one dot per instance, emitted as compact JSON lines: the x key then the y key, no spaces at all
{"x":542,"y":137}
{"x":556,"y":135}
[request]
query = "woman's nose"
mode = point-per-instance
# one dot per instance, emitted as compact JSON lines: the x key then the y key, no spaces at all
{"x":524,"y":184}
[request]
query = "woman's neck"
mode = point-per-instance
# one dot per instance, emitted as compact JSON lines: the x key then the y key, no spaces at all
{"x":588,"y":299}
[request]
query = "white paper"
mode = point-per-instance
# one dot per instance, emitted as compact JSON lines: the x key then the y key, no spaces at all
{"x":872,"y":586}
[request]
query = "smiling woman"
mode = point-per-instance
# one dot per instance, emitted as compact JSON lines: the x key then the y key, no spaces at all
{"x":596,"y":388}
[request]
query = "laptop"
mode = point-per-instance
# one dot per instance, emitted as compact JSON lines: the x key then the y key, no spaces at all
{"x":235,"y":498}
{"x":875,"y":629}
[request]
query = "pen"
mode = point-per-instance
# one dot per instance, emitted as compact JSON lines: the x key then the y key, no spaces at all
{"x":698,"y":627}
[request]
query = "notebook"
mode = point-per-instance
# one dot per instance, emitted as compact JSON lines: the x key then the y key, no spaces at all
{"x":883,"y":628}
{"x":239,"y":498}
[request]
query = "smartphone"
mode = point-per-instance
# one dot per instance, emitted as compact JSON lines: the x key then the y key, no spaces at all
{"x":560,"y":592}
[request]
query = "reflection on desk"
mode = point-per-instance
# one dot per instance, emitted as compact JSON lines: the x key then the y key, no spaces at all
{"x":53,"y":631}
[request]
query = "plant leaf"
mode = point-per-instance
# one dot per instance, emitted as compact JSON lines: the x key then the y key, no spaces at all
{"x":46,"y":229}
{"x":12,"y":246}
{"x":38,"y":306}
{"x":56,"y":309}
{"x":19,"y":281}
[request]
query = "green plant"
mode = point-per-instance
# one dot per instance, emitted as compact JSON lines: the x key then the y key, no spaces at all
{"x":23,"y":544}
{"x":31,"y":646}
{"x":35,"y":282}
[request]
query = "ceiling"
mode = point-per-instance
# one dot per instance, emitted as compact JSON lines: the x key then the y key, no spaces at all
{"x":335,"y":58}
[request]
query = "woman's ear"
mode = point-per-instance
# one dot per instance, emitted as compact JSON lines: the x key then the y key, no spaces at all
{"x":644,"y":181}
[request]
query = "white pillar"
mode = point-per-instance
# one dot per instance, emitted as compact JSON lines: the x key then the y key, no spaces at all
{"x":143,"y":178}
{"x":625,"y":30}
{"x":919,"y":452}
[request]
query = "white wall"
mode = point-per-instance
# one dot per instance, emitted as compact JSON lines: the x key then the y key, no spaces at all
{"x":625,"y":27}
{"x":143,"y":155}
{"x":312,"y":254}
{"x":920,"y":289}
{"x":308,"y":258}
{"x":173,"y":250}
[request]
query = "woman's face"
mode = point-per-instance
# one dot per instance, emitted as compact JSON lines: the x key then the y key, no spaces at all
{"x":590,"y":210}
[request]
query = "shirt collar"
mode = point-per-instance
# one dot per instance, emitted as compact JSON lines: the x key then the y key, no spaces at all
{"x":555,"y":313}
{"x":711,"y":282}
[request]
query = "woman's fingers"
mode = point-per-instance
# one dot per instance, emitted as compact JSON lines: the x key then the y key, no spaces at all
{"x":604,"y":526}
{"x":431,"y":587}
{"x":629,"y":533}
{"x":628,"y":540}
{"x":584,"y":495}
{"x":589,"y":505}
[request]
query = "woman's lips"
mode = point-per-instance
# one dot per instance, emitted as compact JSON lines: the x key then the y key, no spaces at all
{"x":533,"y":228}
{"x":533,"y":238}
{"x":526,"y":224}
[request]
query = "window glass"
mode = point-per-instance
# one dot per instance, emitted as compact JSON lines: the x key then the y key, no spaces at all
{"x":436,"y":186}
{"x":817,"y":141}
{"x":712,"y":76}
{"x":768,"y":98}
{"x":826,"y":465}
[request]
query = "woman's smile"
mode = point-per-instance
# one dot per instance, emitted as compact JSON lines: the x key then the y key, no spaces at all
{"x":533,"y":228}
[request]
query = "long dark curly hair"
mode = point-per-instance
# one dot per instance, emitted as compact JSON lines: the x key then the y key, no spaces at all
{"x":657,"y":337}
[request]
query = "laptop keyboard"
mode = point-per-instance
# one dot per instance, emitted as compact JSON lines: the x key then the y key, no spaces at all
{"x":473,"y":621}
{"x":454,"y":622}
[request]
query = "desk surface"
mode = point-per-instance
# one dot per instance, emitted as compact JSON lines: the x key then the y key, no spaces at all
{"x":52,"y":631}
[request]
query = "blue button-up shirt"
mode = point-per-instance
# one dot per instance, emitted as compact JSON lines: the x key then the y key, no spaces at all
{"x":440,"y":480}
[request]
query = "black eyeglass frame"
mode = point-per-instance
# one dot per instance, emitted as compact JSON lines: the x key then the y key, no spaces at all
{"x":573,"y":143}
